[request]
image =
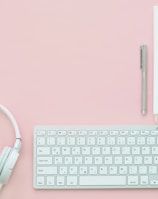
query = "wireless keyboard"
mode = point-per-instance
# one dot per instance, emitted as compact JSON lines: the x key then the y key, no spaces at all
{"x":95,"y":157}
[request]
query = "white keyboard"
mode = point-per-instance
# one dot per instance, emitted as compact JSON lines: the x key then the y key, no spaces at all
{"x":95,"y":157}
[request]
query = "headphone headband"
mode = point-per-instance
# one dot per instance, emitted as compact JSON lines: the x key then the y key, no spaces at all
{"x":17,"y":144}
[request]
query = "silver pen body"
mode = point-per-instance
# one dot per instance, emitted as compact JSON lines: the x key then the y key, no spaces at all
{"x":143,"y":64}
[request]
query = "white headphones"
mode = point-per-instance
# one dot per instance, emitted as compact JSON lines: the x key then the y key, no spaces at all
{"x":9,"y":156}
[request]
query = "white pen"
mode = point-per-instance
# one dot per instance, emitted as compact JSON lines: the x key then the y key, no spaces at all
{"x":155,"y":85}
{"x":143,"y":65}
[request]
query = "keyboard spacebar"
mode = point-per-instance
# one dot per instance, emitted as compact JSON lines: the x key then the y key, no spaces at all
{"x":102,"y":180}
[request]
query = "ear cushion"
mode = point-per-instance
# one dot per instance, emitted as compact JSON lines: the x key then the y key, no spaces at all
{"x":3,"y":157}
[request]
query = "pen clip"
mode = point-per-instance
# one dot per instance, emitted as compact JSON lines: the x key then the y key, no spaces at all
{"x":143,"y":56}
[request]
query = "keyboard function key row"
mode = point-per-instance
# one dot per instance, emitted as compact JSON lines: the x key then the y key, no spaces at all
{"x":94,"y":132}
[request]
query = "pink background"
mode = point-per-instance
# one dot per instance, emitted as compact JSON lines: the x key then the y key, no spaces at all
{"x":73,"y":63}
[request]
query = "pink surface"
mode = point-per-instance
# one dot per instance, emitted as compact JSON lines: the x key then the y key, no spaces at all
{"x":72,"y":62}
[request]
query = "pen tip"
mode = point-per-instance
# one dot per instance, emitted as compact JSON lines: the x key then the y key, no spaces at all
{"x":143,"y":112}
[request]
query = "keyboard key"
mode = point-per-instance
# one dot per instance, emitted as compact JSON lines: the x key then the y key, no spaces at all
{"x":154,"y":182}
{"x":41,"y":133}
{"x":98,"y":160}
{"x":40,"y":181}
{"x":68,"y":160}
{"x":143,"y":170}
{"x":73,"y":170}
{"x":78,"y":160}
{"x":123,"y":170}
{"x":50,"y":141}
{"x":101,"y":140}
{"x":135,"y":150}
{"x":133,"y":180}
{"x":103,"y":132}
{"x":115,"y":150}
{"x":133,"y":170}
{"x":102,"y":180}
{"x":83,"y":170}
{"x":145,"y":150}
{"x":51,"y":133}
{"x":156,"y":160}
{"x":144,"y":180}
{"x":106,"y":150}
{"x":88,"y":160}
{"x":61,"y":141}
{"x":112,"y":170}
{"x":154,"y":132}
{"x":85,"y":150}
{"x":91,"y":140}
{"x":70,"y":141}
{"x":138,"y":160}
{"x":81,"y":141}
{"x":121,"y":141}
{"x":118,"y":160}
{"x":93,"y":170}
{"x":58,"y":160}
{"x":134,"y":133}
{"x":75,"y":150}
{"x":145,"y":133}
{"x":151,"y":140}
{"x":46,"y":170}
{"x":108,"y":160}
{"x":92,"y":133}
{"x":103,"y":170}
{"x":128,"y":160}
{"x":44,"y":160}
{"x":124,"y":133}
{"x":131,"y":140}
{"x":126,"y":150}
{"x":155,"y":150}
{"x":73,"y":133}
{"x":82,"y":133}
{"x":55,"y":150}
{"x":41,"y":141}
{"x":43,"y":150}
{"x":147,"y":160}
{"x":60,"y":133}
{"x":141,"y":141}
{"x":111,"y":140}
{"x":114,"y":132}
{"x":65,"y":151}
{"x":96,"y":150}
{"x":60,"y":180}
{"x":50,"y":180}
{"x":71,"y":180}
{"x":63,"y":170}
{"x":152,"y":170}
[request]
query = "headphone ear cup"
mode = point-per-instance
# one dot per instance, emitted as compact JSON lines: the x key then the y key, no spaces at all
{"x":8,"y":161}
{"x":3,"y":157}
